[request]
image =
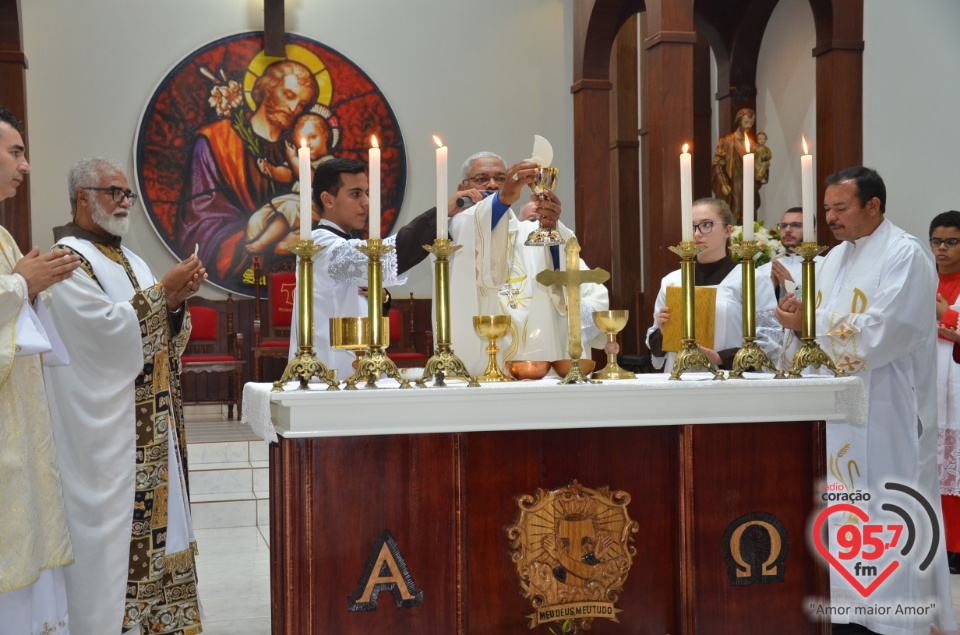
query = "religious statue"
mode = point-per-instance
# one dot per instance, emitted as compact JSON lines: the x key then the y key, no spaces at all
{"x":763,"y":155}
{"x":727,"y":177}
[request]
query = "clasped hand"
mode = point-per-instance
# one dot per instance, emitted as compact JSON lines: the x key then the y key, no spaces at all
{"x":183,"y":280}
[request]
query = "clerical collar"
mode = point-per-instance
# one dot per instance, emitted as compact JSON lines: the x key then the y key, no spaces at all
{"x":72,"y":229}
{"x":712,"y":273}
{"x":332,"y":227}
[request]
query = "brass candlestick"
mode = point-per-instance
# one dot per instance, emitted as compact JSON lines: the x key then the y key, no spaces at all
{"x":375,"y":363}
{"x":443,"y":363}
{"x":611,"y":323}
{"x":810,"y":353}
{"x":750,"y":357}
{"x":305,"y":365}
{"x":690,"y":356}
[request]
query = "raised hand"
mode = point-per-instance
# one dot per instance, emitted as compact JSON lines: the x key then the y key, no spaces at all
{"x":183,"y":280}
{"x":43,"y":270}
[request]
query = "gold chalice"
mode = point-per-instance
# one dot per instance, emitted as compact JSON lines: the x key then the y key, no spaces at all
{"x":546,"y":180}
{"x":353,"y":334}
{"x":611,"y":323}
{"x":492,"y":328}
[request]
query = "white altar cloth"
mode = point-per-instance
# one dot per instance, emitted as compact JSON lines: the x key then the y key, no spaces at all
{"x":648,"y":400}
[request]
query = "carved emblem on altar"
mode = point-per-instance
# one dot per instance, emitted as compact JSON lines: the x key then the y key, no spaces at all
{"x":573,"y":548}
{"x":755,"y":547}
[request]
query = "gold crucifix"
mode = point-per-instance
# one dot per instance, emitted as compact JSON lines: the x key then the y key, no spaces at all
{"x":572,"y":278}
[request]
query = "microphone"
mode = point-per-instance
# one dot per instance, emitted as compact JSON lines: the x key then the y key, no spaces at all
{"x":466,"y":201}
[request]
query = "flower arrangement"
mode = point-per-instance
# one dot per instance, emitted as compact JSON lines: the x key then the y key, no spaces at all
{"x":772,"y":249}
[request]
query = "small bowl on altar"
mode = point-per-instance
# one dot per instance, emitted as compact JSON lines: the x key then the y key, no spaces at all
{"x":528,"y":369}
{"x":563,"y":366}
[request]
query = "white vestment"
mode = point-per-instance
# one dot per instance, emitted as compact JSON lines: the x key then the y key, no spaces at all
{"x":97,"y":430}
{"x":874,"y":318}
{"x":338,"y":273}
{"x":34,"y":540}
{"x":727,"y":320}
{"x":495,"y":273}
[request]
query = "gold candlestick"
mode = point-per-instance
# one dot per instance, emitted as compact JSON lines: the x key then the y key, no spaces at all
{"x":750,"y":357}
{"x":690,"y":356}
{"x":443,"y":363}
{"x":305,"y":365}
{"x":375,"y":363}
{"x":810,"y":353}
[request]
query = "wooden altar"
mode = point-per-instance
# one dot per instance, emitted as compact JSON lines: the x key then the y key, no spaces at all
{"x":441,"y":469}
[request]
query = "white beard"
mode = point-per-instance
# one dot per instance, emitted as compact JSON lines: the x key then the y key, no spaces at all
{"x":108,"y":222}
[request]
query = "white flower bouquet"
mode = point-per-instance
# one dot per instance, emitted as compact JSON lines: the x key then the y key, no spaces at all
{"x":770,"y":240}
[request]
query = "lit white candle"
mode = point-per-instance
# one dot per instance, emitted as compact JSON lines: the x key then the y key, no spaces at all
{"x":747,"y":191}
{"x":807,"y":191}
{"x":306,"y":206}
{"x":441,"y":187}
{"x":686,"y":196}
{"x":374,"y":188}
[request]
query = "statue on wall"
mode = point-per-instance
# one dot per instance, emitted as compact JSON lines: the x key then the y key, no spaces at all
{"x":763,"y":156}
{"x":727,"y":177}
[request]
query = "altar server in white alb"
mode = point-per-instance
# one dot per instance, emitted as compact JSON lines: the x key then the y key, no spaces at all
{"x":341,"y":192}
{"x":34,"y":541}
{"x":118,"y":420}
{"x":874,"y":319}
{"x":495,"y":272}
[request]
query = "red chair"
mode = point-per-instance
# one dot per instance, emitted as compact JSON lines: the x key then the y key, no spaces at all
{"x":404,"y":338}
{"x":281,"y":286}
{"x":215,"y":348}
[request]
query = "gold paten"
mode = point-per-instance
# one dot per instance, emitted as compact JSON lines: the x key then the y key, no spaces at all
{"x":572,"y":278}
{"x":612,"y":322}
{"x":573,"y":548}
{"x":305,"y":365}
{"x":750,"y":357}
{"x":690,"y":356}
{"x":810,"y":353}
{"x":375,"y":362}
{"x":492,"y":328}
{"x":443,"y":364}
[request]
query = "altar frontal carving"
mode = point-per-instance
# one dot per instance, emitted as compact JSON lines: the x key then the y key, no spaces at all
{"x":573,"y":548}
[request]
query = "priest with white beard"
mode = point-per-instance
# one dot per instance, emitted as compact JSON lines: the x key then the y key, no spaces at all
{"x":495,"y":272}
{"x":118,"y":420}
{"x":876,"y":319}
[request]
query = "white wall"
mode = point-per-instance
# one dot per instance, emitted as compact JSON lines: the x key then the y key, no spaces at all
{"x":484,"y":76}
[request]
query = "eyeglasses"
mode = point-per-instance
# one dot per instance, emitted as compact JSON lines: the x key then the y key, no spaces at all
{"x":793,"y":226}
{"x":949,"y":242}
{"x":116,"y":193}
{"x":704,"y":227}
{"x":482,"y":179}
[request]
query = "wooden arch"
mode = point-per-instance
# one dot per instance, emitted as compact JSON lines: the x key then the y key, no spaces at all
{"x":676,"y":108}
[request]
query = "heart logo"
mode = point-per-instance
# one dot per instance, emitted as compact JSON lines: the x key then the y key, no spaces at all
{"x":825,"y":552}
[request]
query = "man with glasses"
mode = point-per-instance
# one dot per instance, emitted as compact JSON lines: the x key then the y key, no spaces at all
{"x":945,"y":244}
{"x":495,"y":272}
{"x":875,"y":319}
{"x":34,"y":540}
{"x":118,"y":419}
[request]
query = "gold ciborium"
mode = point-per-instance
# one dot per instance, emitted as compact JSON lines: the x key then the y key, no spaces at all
{"x":546,"y":179}
{"x":611,"y":323}
{"x":353,"y":334}
{"x":492,"y":328}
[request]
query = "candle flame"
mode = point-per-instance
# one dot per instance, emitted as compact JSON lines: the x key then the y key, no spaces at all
{"x":303,"y":143}
{"x":437,"y":140}
{"x":746,"y":143}
{"x":686,"y":147}
{"x":805,"y":149}
{"x":373,"y":141}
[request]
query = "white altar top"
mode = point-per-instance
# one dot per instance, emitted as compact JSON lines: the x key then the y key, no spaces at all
{"x":649,"y":400}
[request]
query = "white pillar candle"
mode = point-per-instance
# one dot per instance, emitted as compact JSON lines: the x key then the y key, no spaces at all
{"x":441,"y":188}
{"x":374,"y":217}
{"x":306,"y":205}
{"x":808,"y":194}
{"x":686,"y":196}
{"x":747,"y":191}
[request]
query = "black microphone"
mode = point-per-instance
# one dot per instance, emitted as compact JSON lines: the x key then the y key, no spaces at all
{"x":466,"y":201}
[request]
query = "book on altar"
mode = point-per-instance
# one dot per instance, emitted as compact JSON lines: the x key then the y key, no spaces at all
{"x":706,"y":311}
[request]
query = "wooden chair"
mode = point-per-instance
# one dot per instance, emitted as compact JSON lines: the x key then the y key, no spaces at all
{"x":409,"y":348}
{"x":274,"y":340}
{"x":215,"y":348}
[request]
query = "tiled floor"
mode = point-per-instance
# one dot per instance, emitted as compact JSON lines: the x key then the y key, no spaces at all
{"x":234,"y":562}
